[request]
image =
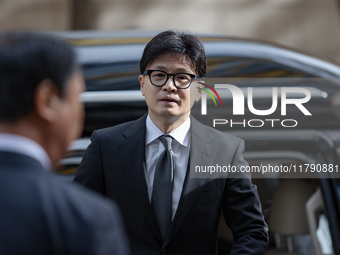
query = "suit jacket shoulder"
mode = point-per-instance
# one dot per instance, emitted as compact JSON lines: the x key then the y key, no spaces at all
{"x":127,"y":129}
{"x":214,"y":133}
{"x":47,"y":216}
{"x":214,"y":141}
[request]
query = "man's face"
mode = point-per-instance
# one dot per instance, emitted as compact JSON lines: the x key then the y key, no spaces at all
{"x":169,"y":101}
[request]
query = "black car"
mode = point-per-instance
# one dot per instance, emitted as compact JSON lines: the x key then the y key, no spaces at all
{"x":296,"y":207}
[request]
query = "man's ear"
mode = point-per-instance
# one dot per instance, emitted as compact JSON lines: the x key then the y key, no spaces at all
{"x":47,"y":101}
{"x":141,"y":82}
{"x":199,"y":92}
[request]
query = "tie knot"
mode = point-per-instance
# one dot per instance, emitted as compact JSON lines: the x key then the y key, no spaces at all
{"x":166,"y":140}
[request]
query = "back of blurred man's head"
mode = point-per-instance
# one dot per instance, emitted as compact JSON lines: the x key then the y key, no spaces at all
{"x":40,"y":85}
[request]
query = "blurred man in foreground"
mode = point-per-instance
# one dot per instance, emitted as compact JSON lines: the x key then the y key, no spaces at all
{"x":144,"y":164}
{"x":40,"y":114}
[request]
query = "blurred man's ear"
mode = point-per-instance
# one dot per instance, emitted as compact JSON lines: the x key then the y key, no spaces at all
{"x":141,"y":82}
{"x":47,"y":101}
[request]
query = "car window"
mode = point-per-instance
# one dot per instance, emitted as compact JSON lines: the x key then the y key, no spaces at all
{"x":112,"y":76}
{"x":237,"y":67}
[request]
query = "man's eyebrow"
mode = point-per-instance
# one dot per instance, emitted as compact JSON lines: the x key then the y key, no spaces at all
{"x":160,"y":67}
{"x":184,"y":70}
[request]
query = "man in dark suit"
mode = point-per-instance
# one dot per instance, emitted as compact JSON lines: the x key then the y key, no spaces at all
{"x":40,"y":114}
{"x":144,"y":164}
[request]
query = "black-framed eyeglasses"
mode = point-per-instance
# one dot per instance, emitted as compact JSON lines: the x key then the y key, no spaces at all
{"x":181,"y":80}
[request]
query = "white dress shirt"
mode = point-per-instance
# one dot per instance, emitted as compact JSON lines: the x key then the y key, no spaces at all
{"x":181,"y":149}
{"x":25,"y":146}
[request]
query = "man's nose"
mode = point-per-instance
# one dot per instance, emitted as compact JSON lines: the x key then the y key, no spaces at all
{"x":170,"y":84}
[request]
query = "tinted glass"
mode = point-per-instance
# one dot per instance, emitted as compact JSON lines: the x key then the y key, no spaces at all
{"x":112,"y":76}
{"x":236,"y":67}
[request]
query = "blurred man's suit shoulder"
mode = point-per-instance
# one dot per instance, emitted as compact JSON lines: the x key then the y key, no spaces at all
{"x":46,"y":216}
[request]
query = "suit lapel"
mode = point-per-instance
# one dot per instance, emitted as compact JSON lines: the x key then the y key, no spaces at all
{"x":201,"y":153}
{"x":132,"y":152}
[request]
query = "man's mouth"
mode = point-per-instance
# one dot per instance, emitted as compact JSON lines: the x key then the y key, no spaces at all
{"x":169,"y":99}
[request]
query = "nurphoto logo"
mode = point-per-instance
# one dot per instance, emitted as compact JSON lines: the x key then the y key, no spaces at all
{"x":238,"y":105}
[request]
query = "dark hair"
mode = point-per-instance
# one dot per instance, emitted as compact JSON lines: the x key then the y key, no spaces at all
{"x":175,"y":42}
{"x":26,"y":59}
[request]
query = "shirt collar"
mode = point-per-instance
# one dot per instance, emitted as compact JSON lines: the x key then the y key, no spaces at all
{"x":180,"y":134}
{"x":25,"y":146}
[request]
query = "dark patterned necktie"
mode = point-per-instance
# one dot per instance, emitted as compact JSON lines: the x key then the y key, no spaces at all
{"x":163,"y":185}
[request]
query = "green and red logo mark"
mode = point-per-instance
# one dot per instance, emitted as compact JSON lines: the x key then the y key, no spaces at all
{"x":213,"y":90}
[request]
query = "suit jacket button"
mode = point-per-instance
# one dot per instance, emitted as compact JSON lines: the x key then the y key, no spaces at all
{"x":163,"y":252}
